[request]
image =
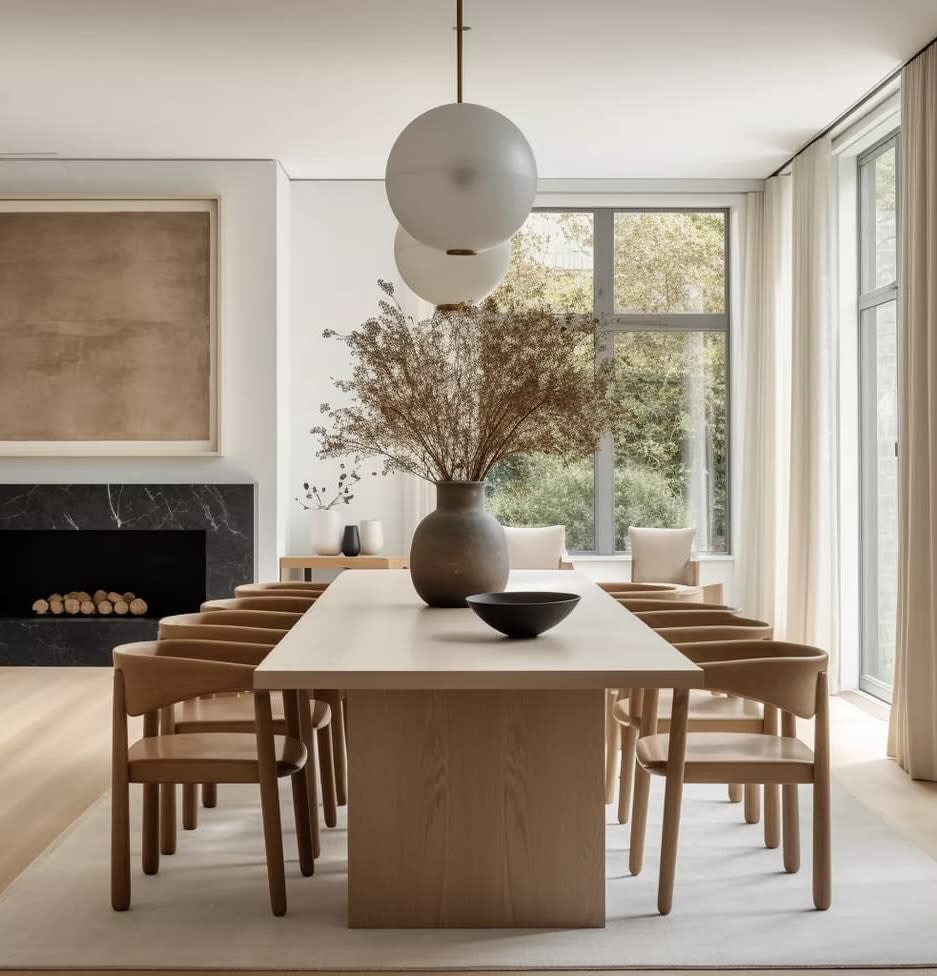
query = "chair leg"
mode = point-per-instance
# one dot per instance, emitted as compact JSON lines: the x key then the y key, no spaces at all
{"x":167,"y":794}
{"x":752,"y":803}
{"x":209,"y":795}
{"x":642,"y":786}
{"x":735,"y":792}
{"x":167,"y":818}
{"x":339,"y":753}
{"x":612,"y":745}
{"x":629,"y":738}
{"x":309,"y":773}
{"x":673,"y":797}
{"x":790,"y":809}
{"x":327,"y":775}
{"x":301,"y":812}
{"x":772,"y":791}
{"x":120,"y":847}
{"x":270,"y":802}
{"x":822,"y":868}
{"x":189,"y":806}
{"x":150,"y":828}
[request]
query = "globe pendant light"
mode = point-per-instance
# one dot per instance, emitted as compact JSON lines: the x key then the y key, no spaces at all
{"x":446,"y":279}
{"x":461,"y":178}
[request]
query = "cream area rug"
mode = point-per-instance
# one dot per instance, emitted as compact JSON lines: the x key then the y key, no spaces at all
{"x":734,"y":905}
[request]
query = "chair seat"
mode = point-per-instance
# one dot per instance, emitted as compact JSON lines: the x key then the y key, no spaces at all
{"x":235,"y":713}
{"x":208,"y":757}
{"x":732,"y":757}
{"x":707,"y":711}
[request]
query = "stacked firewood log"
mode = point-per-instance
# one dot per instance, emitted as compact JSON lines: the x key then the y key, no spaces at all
{"x":101,"y":603}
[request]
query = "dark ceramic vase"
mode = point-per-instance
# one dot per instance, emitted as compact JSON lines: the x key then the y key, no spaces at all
{"x":351,"y":543}
{"x":459,"y":549}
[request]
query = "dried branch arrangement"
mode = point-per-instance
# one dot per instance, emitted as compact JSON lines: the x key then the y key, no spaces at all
{"x":449,"y":397}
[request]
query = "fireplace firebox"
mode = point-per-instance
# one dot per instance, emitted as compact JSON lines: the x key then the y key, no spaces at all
{"x":166,"y":568}
{"x":173,"y":546}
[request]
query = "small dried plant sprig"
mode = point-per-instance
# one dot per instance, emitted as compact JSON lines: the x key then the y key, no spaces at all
{"x":344,"y":491}
{"x":449,"y":397}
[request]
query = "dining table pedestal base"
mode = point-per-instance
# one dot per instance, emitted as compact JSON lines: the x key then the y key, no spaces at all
{"x":476,"y":809}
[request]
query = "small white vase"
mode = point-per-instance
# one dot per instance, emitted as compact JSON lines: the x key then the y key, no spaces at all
{"x":371,"y":533}
{"x":326,"y":532}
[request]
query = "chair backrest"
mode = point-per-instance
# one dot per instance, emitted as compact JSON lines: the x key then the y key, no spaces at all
{"x":624,"y":589}
{"x":771,"y":672}
{"x":722,"y":632}
{"x":265,"y":619}
{"x":640,"y":604}
{"x":656,"y":619}
{"x":153,"y":674}
{"x":296,"y":588}
{"x":661,"y":555}
{"x":536,"y":548}
{"x":206,"y":626}
{"x":285,"y":604}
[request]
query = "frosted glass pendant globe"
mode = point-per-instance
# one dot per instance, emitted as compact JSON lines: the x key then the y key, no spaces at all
{"x":449,"y":279}
{"x":461,"y":177}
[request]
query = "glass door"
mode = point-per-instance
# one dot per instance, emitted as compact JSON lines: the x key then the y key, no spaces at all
{"x":878,"y":404}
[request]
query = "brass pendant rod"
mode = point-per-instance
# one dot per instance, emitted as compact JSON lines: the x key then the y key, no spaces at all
{"x":458,"y":48}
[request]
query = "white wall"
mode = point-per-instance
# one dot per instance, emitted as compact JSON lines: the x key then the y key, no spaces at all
{"x":249,"y":308}
{"x":343,"y":241}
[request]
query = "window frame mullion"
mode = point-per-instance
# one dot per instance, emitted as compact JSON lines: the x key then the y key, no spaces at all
{"x":603,"y":302}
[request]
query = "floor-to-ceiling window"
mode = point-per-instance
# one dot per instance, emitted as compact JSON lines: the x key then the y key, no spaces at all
{"x":658,"y":282}
{"x":878,"y":398}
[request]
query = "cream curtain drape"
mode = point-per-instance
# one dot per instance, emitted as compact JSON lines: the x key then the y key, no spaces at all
{"x":912,"y":735}
{"x":763,"y":398}
{"x":812,"y":584}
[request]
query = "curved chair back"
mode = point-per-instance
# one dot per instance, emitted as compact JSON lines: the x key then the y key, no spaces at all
{"x":789,"y":676}
{"x":264,"y":619}
{"x":624,"y":589}
{"x":204,"y":626}
{"x":657,"y":619}
{"x":728,"y":632}
{"x":641,"y":604}
{"x":285,"y":604}
{"x":154,"y":674}
{"x":296,"y":588}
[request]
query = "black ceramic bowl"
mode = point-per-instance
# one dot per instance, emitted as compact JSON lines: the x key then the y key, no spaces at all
{"x":522,"y":614}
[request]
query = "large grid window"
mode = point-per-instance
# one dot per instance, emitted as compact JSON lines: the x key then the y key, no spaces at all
{"x":658,"y":282}
{"x":878,"y":422}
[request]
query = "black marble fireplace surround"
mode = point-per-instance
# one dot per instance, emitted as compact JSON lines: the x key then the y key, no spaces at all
{"x":205,"y":532}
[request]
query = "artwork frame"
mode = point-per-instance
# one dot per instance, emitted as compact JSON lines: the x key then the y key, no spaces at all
{"x":206,"y":386}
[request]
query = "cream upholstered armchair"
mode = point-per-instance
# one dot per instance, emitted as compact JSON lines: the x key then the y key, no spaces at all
{"x":663,"y":556}
{"x":537,"y":548}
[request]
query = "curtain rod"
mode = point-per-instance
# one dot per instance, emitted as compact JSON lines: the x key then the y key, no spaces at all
{"x":852,"y":108}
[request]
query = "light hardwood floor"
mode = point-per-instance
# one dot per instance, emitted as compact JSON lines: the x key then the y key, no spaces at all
{"x":55,"y":756}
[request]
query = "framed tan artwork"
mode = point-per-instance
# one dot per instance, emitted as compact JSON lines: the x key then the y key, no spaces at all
{"x":108,"y":327}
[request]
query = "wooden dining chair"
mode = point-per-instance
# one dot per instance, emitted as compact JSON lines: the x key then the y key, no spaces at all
{"x":227,"y":714}
{"x":663,"y":619}
{"x":665,"y":590}
{"x":643,"y":604}
{"x":637,"y":603}
{"x":155,"y":675}
{"x":285,"y":604}
{"x":296,"y":588}
{"x":788,"y":677}
{"x":707,"y":713}
{"x":335,"y":697}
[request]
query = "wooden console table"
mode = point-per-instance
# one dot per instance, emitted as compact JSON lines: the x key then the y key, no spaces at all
{"x":341,"y":562}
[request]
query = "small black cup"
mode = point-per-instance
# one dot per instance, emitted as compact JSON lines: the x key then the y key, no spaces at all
{"x":351,"y":543}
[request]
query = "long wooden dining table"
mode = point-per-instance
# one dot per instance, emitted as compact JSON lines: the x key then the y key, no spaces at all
{"x":475,"y":762}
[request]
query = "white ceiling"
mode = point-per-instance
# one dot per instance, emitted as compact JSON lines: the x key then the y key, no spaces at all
{"x":601,"y":88}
